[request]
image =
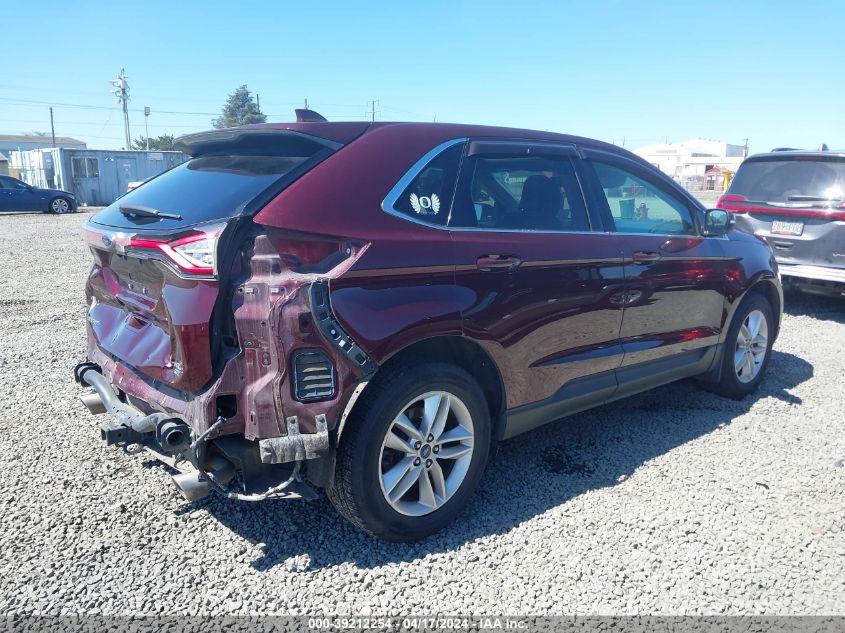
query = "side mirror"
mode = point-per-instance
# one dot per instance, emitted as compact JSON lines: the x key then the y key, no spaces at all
{"x":717,"y":222}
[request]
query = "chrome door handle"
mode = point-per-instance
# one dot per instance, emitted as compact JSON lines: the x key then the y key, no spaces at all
{"x":645,"y":257}
{"x":497,"y":262}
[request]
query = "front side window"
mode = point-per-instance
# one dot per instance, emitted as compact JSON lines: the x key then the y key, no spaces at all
{"x":639,"y":206}
{"x":428,"y":197}
{"x":529,"y":193}
{"x":12,"y":183}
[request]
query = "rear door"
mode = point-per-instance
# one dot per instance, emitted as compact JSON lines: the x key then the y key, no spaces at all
{"x":160,"y":254}
{"x":795,"y":202}
{"x":677,"y":279}
{"x":542,"y":287}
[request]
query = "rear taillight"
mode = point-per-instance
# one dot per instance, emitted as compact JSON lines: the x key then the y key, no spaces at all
{"x":741,"y":204}
{"x":730,"y":201}
{"x":194,"y":254}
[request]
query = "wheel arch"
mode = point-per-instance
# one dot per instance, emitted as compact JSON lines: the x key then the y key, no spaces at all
{"x":770,"y":291}
{"x":55,"y":197}
{"x":456,"y":350}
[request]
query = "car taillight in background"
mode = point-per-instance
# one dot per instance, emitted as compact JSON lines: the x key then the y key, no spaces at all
{"x":740,"y":204}
{"x":729,"y":202}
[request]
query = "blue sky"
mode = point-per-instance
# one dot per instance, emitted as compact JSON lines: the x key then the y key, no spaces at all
{"x":640,"y":72}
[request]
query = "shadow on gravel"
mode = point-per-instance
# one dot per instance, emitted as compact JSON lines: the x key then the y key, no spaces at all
{"x":530,"y":475}
{"x":797,"y":303}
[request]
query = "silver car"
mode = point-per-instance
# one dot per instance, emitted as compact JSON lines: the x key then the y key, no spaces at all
{"x":795,"y":200}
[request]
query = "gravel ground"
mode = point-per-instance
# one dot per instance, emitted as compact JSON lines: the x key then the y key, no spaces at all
{"x":671,"y":502}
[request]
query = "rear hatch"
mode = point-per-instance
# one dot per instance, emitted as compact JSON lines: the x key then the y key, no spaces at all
{"x":796,"y":202}
{"x":160,"y":258}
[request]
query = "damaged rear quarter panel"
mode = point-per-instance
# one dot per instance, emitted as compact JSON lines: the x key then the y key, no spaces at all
{"x":273,"y":318}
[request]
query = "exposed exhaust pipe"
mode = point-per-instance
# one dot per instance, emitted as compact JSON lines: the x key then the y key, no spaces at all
{"x":193,"y":488}
{"x":93,"y":402}
{"x":173,"y":436}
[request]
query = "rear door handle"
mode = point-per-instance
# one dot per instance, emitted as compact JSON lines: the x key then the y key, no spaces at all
{"x":645,"y":257}
{"x":497,"y":262}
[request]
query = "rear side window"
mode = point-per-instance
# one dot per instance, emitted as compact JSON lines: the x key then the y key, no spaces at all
{"x":530,"y":193}
{"x":789,"y":180}
{"x":213,"y":187}
{"x":640,"y":206}
{"x":428,"y":197}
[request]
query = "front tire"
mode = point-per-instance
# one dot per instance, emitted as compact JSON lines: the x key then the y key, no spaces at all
{"x":60,"y":206}
{"x":413,"y":452}
{"x":748,"y":347}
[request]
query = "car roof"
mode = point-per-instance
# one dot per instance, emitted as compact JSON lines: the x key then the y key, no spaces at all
{"x":804,"y":154}
{"x":346,"y":131}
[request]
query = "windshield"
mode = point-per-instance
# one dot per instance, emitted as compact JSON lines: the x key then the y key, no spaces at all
{"x":796,"y":180}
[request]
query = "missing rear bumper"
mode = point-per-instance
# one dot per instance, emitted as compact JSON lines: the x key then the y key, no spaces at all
{"x":229,"y":465}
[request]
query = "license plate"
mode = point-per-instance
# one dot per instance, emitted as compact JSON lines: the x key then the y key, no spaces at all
{"x":787,"y":228}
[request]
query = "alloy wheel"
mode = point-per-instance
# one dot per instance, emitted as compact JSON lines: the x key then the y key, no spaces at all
{"x":59,"y":205}
{"x":426,"y":453}
{"x":752,"y":344}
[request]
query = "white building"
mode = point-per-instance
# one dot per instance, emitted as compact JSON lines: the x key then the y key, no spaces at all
{"x":688,"y":161}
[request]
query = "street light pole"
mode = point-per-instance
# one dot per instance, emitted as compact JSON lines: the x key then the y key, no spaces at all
{"x":121,"y":91}
{"x":146,"y":127}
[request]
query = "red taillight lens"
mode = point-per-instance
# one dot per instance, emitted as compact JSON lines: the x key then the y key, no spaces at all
{"x":194,"y":254}
{"x":729,"y":202}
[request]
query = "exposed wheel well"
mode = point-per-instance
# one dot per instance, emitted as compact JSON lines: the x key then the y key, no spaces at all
{"x":466,"y":355}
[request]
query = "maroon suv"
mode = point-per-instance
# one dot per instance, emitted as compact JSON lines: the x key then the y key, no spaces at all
{"x":369,"y":308}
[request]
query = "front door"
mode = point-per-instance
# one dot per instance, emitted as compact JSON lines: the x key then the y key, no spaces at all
{"x":18,"y":196}
{"x":542,"y":288}
{"x":677,"y":279}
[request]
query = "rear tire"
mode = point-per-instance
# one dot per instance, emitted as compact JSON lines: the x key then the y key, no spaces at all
{"x":60,"y":205}
{"x":402,"y":482}
{"x":748,"y":348}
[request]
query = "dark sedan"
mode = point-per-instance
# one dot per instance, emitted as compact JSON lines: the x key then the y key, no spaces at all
{"x":16,"y":195}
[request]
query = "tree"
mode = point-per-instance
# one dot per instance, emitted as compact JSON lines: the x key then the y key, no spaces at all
{"x":240,"y":109}
{"x":161,"y":143}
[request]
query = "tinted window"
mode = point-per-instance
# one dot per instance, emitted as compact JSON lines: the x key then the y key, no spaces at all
{"x":776,"y":180}
{"x":11,"y":183}
{"x":641,"y":206}
{"x":531,"y":193}
{"x":206,"y":188}
{"x":429,"y":196}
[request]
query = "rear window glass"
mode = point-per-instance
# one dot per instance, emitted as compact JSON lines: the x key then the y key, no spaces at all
{"x":782,"y":180}
{"x":208,"y":188}
{"x":429,"y":196}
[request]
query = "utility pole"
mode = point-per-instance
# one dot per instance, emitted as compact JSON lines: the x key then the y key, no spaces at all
{"x":258,"y":102}
{"x":52,"y":127}
{"x":745,"y":149}
{"x":121,"y":91}
{"x":146,"y":126}
{"x":306,"y":103}
{"x":373,"y":110}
